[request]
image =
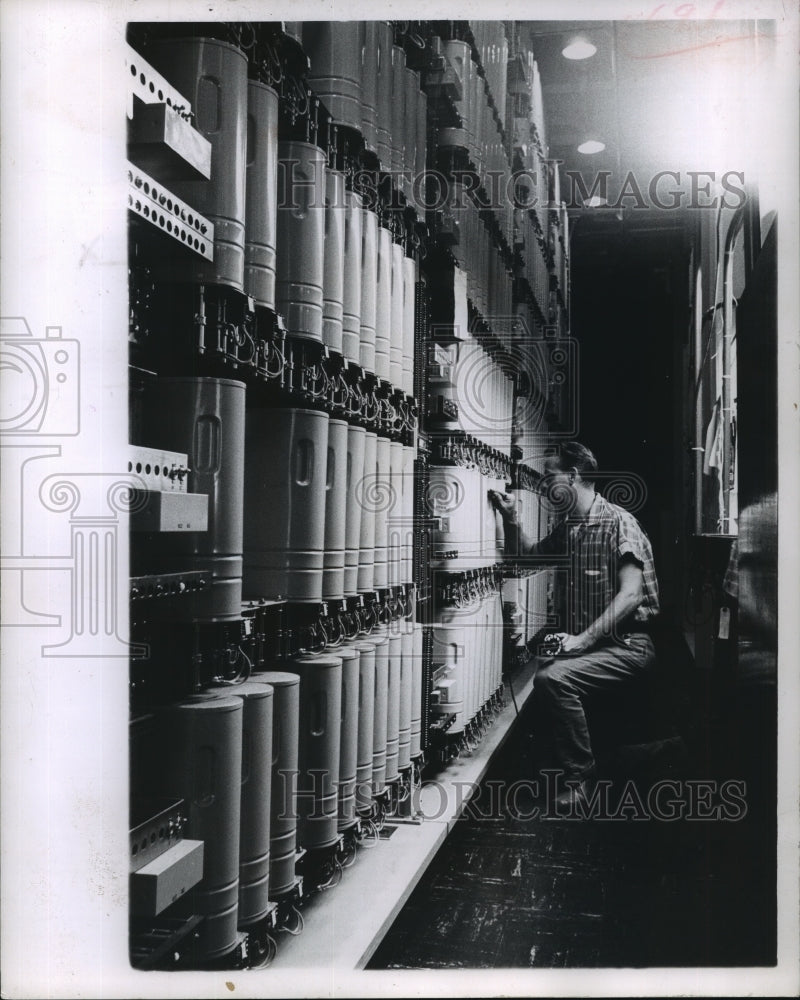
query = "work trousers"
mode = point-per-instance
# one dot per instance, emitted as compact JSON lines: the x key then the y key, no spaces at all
{"x":563,"y":684}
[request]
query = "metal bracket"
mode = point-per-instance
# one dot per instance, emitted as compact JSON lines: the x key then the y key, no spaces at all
{"x":160,"y":139}
{"x":150,"y":86}
{"x":166,"y":212}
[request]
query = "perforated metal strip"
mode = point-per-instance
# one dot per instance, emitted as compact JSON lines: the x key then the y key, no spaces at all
{"x":162,"y":209}
{"x":150,"y":86}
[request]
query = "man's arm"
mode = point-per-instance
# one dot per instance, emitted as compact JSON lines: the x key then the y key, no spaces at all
{"x":517,"y":542}
{"x":626,"y":600}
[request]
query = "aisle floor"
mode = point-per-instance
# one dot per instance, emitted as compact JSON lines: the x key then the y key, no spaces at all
{"x":512,"y":890}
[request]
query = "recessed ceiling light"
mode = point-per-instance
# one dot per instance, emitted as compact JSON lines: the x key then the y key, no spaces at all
{"x":591,"y":146}
{"x":579,"y":49}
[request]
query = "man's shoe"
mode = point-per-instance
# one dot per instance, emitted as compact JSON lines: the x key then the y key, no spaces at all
{"x":577,"y":794}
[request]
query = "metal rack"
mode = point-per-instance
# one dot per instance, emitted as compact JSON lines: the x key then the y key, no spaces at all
{"x":260,"y":327}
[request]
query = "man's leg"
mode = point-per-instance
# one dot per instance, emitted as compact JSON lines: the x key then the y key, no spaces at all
{"x":567,"y":681}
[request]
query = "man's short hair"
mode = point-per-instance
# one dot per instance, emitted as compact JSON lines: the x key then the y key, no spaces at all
{"x":574,"y":455}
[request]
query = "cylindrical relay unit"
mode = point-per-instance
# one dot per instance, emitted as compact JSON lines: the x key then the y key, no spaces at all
{"x":204,"y":418}
{"x":261,"y":194}
{"x":256,"y":791}
{"x":366,"y":724}
{"x":285,"y":487}
{"x":283,"y":797}
{"x":212,"y":75}
{"x":319,"y":749}
{"x":202,"y":764}
{"x":348,"y":754}
{"x":301,"y":238}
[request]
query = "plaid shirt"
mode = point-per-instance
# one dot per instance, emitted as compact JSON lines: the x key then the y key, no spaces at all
{"x":592,"y":552}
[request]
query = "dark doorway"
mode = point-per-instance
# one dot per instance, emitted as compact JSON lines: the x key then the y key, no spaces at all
{"x":629,"y":315}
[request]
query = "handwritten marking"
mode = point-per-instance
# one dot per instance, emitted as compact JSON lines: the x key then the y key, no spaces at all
{"x":685,"y":10}
{"x":722,"y":40}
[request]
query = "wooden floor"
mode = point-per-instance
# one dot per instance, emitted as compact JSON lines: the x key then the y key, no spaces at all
{"x":512,"y":890}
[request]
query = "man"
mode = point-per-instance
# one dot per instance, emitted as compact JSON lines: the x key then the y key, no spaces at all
{"x":612,"y":596}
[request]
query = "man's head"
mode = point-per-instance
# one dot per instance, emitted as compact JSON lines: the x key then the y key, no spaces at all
{"x":569,"y":480}
{"x":574,"y":464}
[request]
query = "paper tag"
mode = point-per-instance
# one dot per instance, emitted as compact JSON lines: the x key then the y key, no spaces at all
{"x":724,"y":623}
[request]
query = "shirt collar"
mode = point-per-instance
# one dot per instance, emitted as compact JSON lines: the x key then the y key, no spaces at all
{"x":596,"y":510}
{"x":593,"y":514}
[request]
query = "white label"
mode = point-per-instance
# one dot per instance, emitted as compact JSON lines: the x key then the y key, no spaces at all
{"x":724,"y":623}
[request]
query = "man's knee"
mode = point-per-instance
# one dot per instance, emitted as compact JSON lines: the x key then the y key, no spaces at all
{"x":551,"y":678}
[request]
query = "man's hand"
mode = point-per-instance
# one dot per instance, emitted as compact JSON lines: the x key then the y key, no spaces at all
{"x":505,"y":504}
{"x":573,"y":645}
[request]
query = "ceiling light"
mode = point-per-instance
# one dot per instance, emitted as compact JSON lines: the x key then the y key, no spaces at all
{"x":579,"y":49}
{"x":591,"y":146}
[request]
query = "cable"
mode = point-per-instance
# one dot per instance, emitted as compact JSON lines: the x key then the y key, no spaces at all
{"x":270,"y":951}
{"x":370,"y":833}
{"x":350,"y":853}
{"x":242,"y":674}
{"x":299,"y":923}
{"x":335,"y":876}
{"x":380,"y":821}
{"x":513,"y":696}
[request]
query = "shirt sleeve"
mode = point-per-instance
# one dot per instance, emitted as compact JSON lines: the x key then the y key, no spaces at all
{"x":632,"y":543}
